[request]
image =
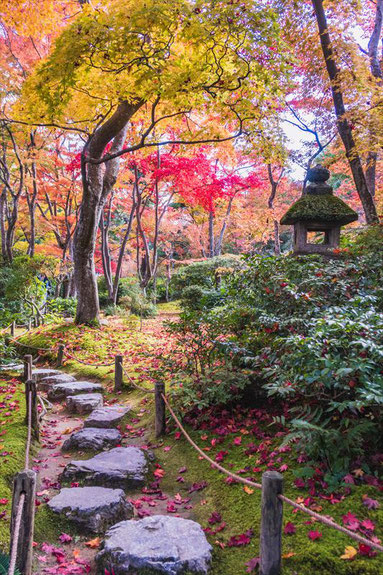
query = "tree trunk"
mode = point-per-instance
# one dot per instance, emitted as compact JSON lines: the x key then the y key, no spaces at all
{"x":32,"y":237}
{"x":372,"y":158}
{"x":219,"y":242}
{"x":344,"y":127}
{"x":277,"y":241}
{"x":84,"y":245}
{"x":117,"y":275}
{"x":3,"y":198}
{"x":274,"y":183}
{"x":377,"y":72}
{"x":97,"y":184}
{"x":31,"y":200}
{"x":105,"y":251}
{"x":211,"y":234}
{"x":10,"y":233}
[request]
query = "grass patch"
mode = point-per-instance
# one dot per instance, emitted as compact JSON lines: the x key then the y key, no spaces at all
{"x":241,"y":511}
{"x":12,"y":446}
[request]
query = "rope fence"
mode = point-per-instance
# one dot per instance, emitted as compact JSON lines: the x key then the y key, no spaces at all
{"x":134,"y":384}
{"x":303,"y":508}
{"x":14,"y":325}
{"x":24,"y":487}
{"x":19,"y":514}
{"x":71,"y":356}
{"x":271,"y":487}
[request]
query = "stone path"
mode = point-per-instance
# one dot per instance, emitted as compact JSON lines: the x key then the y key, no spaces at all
{"x":93,"y":488}
{"x":84,"y":403}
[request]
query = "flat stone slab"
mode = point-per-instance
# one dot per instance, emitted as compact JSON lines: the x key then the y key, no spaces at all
{"x":61,"y":390}
{"x":120,"y":467}
{"x":12,"y":367}
{"x":41,"y":373}
{"x":159,"y":543}
{"x":84,"y":403}
{"x":93,"y":508}
{"x":106,"y":417}
{"x":92,"y":438}
{"x":46,"y":383}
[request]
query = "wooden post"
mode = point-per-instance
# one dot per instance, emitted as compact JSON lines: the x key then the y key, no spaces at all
{"x":60,"y":355}
{"x":271,"y":524}
{"x":31,"y":386}
{"x":160,"y":426}
{"x":28,"y":366}
{"x":24,"y":483}
{"x":118,"y":373}
{"x":13,"y":328}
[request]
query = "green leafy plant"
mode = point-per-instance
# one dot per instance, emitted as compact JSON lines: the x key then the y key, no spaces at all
{"x":305,"y":331}
{"x":4,"y":565}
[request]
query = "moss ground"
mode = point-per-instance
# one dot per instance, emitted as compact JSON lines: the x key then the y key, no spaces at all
{"x":240,"y":510}
{"x":12,"y":446}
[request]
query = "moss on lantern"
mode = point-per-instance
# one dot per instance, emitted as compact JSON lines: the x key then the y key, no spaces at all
{"x":320,"y":208}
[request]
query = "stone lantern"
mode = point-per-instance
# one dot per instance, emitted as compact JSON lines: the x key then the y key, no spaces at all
{"x":318,"y":210}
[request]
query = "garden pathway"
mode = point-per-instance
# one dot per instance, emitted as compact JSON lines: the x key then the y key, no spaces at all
{"x":102,"y":501}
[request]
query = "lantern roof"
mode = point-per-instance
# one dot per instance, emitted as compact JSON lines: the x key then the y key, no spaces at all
{"x":318,"y":203}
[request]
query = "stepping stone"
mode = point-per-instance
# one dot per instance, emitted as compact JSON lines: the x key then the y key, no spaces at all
{"x":46,"y":383}
{"x":39,"y":374}
{"x":160,"y":544}
{"x":61,"y":390}
{"x":106,"y":417}
{"x":84,"y":403}
{"x":12,"y":367}
{"x":120,"y":467}
{"x":92,"y":508}
{"x":92,"y":438}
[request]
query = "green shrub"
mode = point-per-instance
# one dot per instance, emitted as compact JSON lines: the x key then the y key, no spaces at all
{"x":62,"y":306}
{"x":25,"y":285}
{"x":130,"y":298}
{"x":207,"y":273}
{"x":306,"y":331}
{"x":111,"y":310}
{"x":196,"y":297}
{"x":139,"y":306}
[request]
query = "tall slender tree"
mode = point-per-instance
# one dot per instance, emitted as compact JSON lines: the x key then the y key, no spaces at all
{"x":343,"y":123}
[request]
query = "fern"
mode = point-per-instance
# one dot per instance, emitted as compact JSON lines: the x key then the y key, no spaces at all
{"x":4,"y":565}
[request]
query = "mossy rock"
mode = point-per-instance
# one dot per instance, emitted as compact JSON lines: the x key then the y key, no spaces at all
{"x":327,"y":209}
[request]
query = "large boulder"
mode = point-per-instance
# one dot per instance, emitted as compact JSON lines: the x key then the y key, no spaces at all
{"x":46,"y":383}
{"x":120,"y":467}
{"x":107,"y":417}
{"x":159,"y":544}
{"x":84,"y":403}
{"x":92,"y":438}
{"x":61,"y":390}
{"x":92,"y":508}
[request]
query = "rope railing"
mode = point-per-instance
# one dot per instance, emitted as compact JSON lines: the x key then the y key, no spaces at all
{"x":24,"y":490}
{"x":13,"y":325}
{"x":5,"y":329}
{"x":71,"y":356}
{"x":303,"y":508}
{"x":15,"y":545}
{"x":29,"y":431}
{"x":134,"y":384}
{"x":29,"y":346}
{"x":330,"y":523}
